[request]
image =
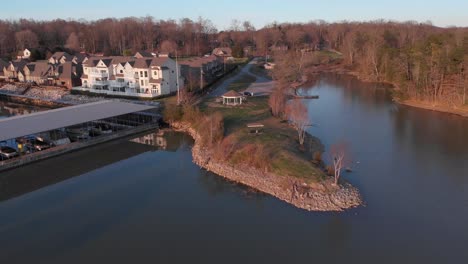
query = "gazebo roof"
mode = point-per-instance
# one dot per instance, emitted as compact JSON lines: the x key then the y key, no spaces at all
{"x":232,"y":94}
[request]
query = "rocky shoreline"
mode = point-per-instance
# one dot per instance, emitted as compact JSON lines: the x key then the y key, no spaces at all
{"x":312,"y":197}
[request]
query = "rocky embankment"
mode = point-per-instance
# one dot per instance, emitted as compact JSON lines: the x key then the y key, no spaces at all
{"x":317,"y":197}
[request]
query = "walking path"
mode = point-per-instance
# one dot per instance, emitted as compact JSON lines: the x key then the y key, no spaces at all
{"x":261,"y":86}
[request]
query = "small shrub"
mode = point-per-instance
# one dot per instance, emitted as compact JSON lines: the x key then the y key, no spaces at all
{"x":225,"y":148}
{"x":192,"y":114}
{"x":172,"y":114}
{"x":252,"y":155}
{"x":330,"y":170}
{"x":211,"y":129}
{"x":317,"y":157}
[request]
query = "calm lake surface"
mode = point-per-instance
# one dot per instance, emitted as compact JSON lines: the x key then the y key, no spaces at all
{"x":8,"y":109}
{"x":143,"y":200}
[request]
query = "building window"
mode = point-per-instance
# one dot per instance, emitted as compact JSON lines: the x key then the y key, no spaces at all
{"x":121,"y":71}
{"x":155,"y":73}
{"x":146,"y":74}
{"x":141,"y":73}
{"x":141,"y":82}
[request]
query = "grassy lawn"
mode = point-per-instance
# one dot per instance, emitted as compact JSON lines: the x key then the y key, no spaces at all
{"x":258,"y":70}
{"x":277,"y":139}
{"x":170,"y":101}
{"x":277,"y":145}
{"x":241,"y":83}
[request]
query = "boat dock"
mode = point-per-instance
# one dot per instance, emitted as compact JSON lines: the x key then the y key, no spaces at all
{"x":79,"y":126}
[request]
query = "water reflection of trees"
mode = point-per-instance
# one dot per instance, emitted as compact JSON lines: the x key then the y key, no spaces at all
{"x":335,"y":235}
{"x":217,"y":185}
{"x":425,"y":131}
{"x":370,"y":95}
{"x":11,"y":109}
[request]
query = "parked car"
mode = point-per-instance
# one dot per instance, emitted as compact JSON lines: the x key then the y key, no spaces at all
{"x":7,"y":152}
{"x":100,"y":129}
{"x":33,"y":143}
{"x":248,"y":93}
{"x":39,"y":144}
{"x":78,"y":132}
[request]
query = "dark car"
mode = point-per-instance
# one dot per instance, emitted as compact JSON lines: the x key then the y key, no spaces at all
{"x":39,"y":144}
{"x":249,"y":93}
{"x":32,"y":143}
{"x":7,"y":152}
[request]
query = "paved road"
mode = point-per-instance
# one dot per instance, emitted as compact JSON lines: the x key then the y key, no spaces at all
{"x":261,"y":86}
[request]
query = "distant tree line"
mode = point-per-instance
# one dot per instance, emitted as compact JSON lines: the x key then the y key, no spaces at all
{"x":425,"y":61}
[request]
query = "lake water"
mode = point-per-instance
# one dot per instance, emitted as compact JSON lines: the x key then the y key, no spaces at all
{"x":145,"y":201}
{"x":8,"y":109}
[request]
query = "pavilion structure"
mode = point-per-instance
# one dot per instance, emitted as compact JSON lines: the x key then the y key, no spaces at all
{"x":232,"y":98}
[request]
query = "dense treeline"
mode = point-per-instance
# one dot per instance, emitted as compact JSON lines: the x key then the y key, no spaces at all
{"x":109,"y":36}
{"x":426,"y":62}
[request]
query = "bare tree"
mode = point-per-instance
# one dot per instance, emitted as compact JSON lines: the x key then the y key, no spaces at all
{"x":277,"y":102}
{"x":299,"y":118}
{"x":26,"y":39}
{"x":73,"y":42}
{"x":168,"y":46}
{"x":340,"y":157}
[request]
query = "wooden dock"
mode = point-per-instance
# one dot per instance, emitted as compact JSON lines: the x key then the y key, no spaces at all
{"x":306,"y":97}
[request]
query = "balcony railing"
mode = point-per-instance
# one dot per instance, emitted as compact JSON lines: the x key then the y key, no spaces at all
{"x":99,"y":74}
{"x":101,"y":82}
{"x":118,"y":84}
{"x":136,"y":93}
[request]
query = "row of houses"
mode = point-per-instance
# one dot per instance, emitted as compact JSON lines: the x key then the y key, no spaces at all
{"x":142,"y":75}
{"x":201,"y":71}
{"x":60,"y":69}
{"x":145,"y":74}
{"x":149,"y":75}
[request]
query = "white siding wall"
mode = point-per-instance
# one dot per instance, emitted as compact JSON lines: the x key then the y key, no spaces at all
{"x":167,"y":85}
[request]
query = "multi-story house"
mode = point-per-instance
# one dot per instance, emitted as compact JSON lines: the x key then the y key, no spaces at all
{"x":38,"y":72}
{"x":224,"y":52}
{"x":146,"y":77}
{"x":60,"y":69}
{"x":60,"y":58}
{"x":13,"y":69}
{"x":3,"y":65}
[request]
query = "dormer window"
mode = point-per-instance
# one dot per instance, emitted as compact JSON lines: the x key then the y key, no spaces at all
{"x":121,"y":71}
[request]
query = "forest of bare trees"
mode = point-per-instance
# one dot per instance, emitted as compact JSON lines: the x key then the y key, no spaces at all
{"x":426,"y":62}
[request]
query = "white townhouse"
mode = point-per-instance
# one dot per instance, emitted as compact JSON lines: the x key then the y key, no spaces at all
{"x":145,"y":77}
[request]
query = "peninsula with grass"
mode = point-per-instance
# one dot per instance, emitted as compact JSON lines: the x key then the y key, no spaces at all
{"x":239,"y":136}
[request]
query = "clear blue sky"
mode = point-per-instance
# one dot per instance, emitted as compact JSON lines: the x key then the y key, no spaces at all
{"x":259,"y":12}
